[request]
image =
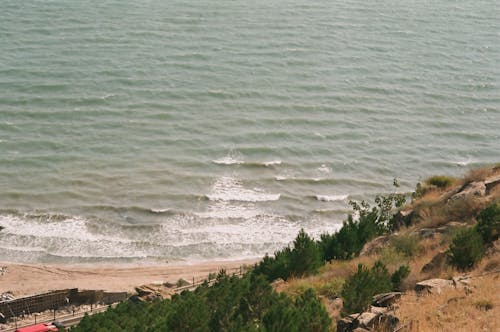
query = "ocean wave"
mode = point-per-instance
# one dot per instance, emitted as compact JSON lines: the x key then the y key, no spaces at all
{"x":231,"y":189}
{"x":331,"y":198}
{"x":227,"y":161}
{"x":248,"y":196}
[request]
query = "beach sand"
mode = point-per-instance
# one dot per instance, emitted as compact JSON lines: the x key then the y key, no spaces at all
{"x":25,"y":279}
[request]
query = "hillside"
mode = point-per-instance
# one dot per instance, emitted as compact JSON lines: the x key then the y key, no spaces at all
{"x":425,"y":228}
{"x":435,"y":260}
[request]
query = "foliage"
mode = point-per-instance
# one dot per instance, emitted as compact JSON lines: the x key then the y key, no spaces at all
{"x":488,"y":225}
{"x":355,"y":233}
{"x":419,"y":191}
{"x":305,"y":258}
{"x":466,"y":249}
{"x":360,"y":287}
{"x":231,"y":304}
{"x":440,"y":181}
{"x":285,"y":317}
{"x":398,"y":276}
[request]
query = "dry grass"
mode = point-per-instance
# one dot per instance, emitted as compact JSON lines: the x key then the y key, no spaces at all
{"x":454,"y":310}
{"x":480,"y":174}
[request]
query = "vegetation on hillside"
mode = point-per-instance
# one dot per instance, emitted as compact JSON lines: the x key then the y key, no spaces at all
{"x":332,"y":266}
{"x":232,"y":304}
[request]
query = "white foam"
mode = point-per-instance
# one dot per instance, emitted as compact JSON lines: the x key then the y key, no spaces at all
{"x":272,"y":163}
{"x":324,"y":169}
{"x":69,"y":228}
{"x":331,"y":198}
{"x":159,"y":210}
{"x":231,"y":189}
{"x":464,"y":163}
{"x":228,"y":160}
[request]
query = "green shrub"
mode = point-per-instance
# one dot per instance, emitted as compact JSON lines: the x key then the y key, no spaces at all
{"x":305,"y":256}
{"x":488,"y":225}
{"x":466,"y":249}
{"x":440,"y":181}
{"x":398,"y":276}
{"x":360,"y":287}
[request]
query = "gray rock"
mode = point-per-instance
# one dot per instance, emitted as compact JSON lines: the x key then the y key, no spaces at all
{"x":385,"y":299}
{"x":386,"y":322}
{"x":491,"y":183}
{"x":375,"y":245}
{"x":473,"y":189}
{"x":432,"y":286}
{"x":378,"y":310}
{"x":345,"y":324}
{"x":367,"y":319}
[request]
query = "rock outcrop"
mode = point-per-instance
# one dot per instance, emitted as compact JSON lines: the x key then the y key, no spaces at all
{"x":432,"y":286}
{"x":473,"y":189}
{"x":386,"y":299}
{"x":375,"y":245}
{"x":379,"y":317}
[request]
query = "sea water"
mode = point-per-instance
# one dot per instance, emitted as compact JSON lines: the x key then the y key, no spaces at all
{"x":153,"y":131}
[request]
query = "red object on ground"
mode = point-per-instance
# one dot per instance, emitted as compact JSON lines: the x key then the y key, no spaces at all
{"x":38,"y":328}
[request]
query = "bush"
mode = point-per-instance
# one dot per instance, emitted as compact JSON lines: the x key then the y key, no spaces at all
{"x":398,"y":276}
{"x":440,"y":181}
{"x":466,"y":249}
{"x":488,"y":225}
{"x":305,"y":258}
{"x":360,"y":287}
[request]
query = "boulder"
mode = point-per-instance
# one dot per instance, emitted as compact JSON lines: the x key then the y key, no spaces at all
{"x":345,"y":324}
{"x":385,"y":299}
{"x":375,"y":245}
{"x":491,"y":183}
{"x":386,"y":322}
{"x":367,"y":319}
{"x":378,"y":319}
{"x":436,"y":263}
{"x":432,"y":286}
{"x":473,"y":189}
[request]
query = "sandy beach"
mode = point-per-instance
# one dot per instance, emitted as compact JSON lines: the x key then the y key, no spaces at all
{"x":26,"y":279}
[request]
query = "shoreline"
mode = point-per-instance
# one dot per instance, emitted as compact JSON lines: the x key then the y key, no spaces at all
{"x":27,"y":279}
